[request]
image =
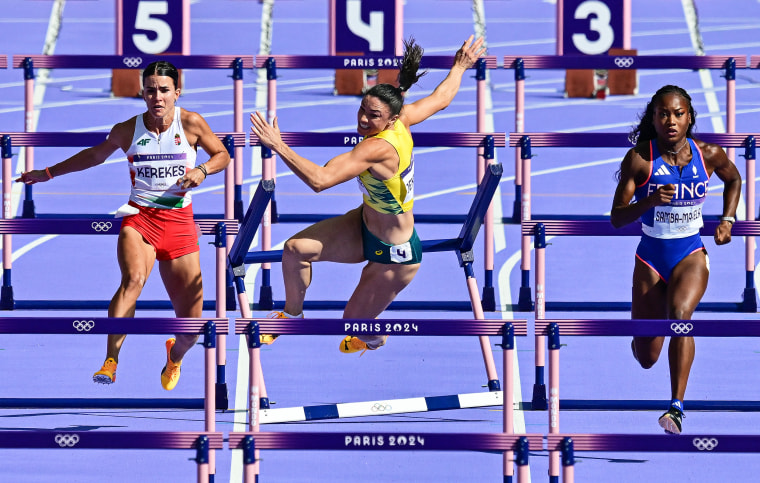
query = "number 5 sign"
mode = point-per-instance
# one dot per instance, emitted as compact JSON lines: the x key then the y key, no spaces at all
{"x":154,"y":27}
{"x":592,"y":27}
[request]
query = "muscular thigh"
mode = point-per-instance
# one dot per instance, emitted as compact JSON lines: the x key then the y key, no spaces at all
{"x":337,"y":239}
{"x":648,"y":293}
{"x":687,"y":285}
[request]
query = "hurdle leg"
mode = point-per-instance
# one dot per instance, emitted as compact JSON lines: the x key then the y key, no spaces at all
{"x":554,"y":456}
{"x":485,"y":343}
{"x":220,"y":397}
{"x":521,"y":458}
{"x":508,"y":353}
{"x":539,"y":388}
{"x":209,"y":402}
{"x":6,"y":295}
{"x":250,"y":471}
{"x":568,"y":461}
{"x":202,"y":459}
{"x":245,"y":311}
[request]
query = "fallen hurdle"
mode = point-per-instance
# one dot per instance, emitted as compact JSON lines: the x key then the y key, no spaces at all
{"x":272,"y":62}
{"x":553,"y":329}
{"x":568,"y":444}
{"x":252,"y":328}
{"x":525,"y":142}
{"x":202,"y":442}
{"x":462,"y":246}
{"x":486,"y":141}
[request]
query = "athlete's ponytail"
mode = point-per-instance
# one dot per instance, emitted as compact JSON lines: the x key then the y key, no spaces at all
{"x":407,"y":77}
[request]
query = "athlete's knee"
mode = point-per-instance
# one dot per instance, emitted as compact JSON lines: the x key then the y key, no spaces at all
{"x":295,"y":249}
{"x":133,"y":280}
{"x":679,"y":311}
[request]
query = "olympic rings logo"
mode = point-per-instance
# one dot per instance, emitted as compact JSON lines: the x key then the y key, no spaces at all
{"x":624,"y":62}
{"x":381,"y":408}
{"x":66,"y":440}
{"x":101,"y":225}
{"x":681,"y":328}
{"x":705,"y":444}
{"x":84,"y":325}
{"x":132,"y":61}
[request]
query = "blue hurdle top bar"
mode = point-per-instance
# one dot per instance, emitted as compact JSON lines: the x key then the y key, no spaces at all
{"x":421,"y":139}
{"x":693,"y":443}
{"x":360,"y":61}
{"x":132,"y":62}
{"x":110,"y":325}
{"x":316,"y":326}
{"x":650,"y":327}
{"x":399,"y":441}
{"x":625,"y":61}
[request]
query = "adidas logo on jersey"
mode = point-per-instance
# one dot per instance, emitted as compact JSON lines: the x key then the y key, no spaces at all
{"x":662,"y":171}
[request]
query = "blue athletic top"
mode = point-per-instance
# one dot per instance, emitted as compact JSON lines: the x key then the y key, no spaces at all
{"x":683,"y":216}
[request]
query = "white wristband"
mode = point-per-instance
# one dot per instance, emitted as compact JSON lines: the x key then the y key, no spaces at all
{"x":729,"y":219}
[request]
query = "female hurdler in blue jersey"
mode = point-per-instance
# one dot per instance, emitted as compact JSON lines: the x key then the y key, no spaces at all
{"x":381,"y":230}
{"x":666,"y":176}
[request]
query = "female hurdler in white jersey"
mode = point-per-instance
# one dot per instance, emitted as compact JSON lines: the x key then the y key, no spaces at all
{"x":663,"y":182}
{"x":161,"y":146}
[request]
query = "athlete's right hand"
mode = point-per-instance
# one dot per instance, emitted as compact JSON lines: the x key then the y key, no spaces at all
{"x":33,"y":176}
{"x":664,"y":194}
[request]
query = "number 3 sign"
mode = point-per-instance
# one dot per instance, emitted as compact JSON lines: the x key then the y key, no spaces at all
{"x":592,"y":27}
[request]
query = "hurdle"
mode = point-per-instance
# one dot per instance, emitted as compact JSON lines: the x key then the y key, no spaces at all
{"x":210,"y":328}
{"x":272,"y":62}
{"x":554,"y":328}
{"x":567,"y":444}
{"x":237,"y":63}
{"x":202,"y":442}
{"x":525,"y":142}
{"x":257,"y":214}
{"x":541,"y":228}
{"x":481,"y":442}
{"x":521,"y":212}
{"x":486,"y":141}
{"x":252,"y":328}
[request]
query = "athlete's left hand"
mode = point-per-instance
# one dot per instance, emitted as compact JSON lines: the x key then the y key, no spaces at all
{"x":723,"y":233}
{"x":192,"y":178}
{"x":269,"y":135}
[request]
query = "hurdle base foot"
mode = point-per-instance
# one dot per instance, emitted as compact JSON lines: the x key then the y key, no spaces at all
{"x":6,"y":298}
{"x":524,"y":302}
{"x":539,"y":403}
{"x":28,"y":209}
{"x":749,"y":300}
{"x":230,"y":297}
{"x":265,"y":298}
{"x":489,"y":299}
{"x":222,"y":401}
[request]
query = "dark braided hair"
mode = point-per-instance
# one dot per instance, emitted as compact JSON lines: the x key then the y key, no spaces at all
{"x":162,"y":68}
{"x":407,"y":77}
{"x":645,"y":130}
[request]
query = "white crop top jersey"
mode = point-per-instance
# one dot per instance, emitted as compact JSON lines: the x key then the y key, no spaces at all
{"x":157,"y":162}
